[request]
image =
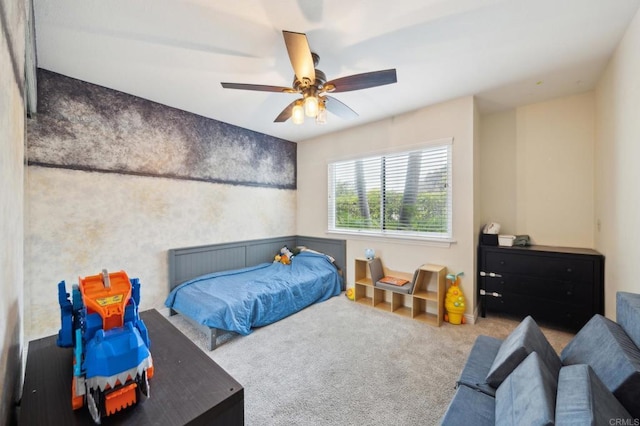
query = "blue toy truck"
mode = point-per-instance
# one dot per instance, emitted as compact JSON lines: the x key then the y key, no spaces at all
{"x":112,"y":362}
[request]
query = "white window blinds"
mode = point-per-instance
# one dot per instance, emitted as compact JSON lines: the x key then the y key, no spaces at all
{"x":405,"y":193}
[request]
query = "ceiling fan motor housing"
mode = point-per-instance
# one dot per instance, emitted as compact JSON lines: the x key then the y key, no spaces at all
{"x":305,"y":83}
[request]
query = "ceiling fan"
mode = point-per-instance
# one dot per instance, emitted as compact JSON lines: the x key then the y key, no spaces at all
{"x":312,"y":84}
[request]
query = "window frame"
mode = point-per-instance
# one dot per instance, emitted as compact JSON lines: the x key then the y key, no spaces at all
{"x":446,"y":237}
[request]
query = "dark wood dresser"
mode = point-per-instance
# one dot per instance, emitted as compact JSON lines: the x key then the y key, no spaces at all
{"x":556,"y":285}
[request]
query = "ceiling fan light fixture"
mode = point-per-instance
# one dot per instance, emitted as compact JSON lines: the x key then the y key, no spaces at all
{"x":321,"y":118}
{"x":311,"y":106}
{"x":297,"y":114}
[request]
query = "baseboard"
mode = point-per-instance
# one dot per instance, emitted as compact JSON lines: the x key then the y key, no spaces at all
{"x":473,"y":317}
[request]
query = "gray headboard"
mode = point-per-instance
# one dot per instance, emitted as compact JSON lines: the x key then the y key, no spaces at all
{"x":191,"y":262}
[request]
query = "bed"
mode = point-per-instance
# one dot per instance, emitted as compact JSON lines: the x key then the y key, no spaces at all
{"x":235,"y":287}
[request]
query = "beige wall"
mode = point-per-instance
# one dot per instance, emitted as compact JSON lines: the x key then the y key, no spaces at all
{"x":617,"y":170}
{"x":537,"y":171}
{"x":80,"y":222}
{"x":476,"y":185}
{"x":451,"y":119}
{"x":497,"y":188}
{"x":555,"y":169}
{"x":12,"y":49}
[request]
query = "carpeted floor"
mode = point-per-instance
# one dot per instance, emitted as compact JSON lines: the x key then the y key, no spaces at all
{"x":341,"y":363}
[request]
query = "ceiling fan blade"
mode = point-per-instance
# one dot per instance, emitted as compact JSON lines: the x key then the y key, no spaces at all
{"x":286,"y":113}
{"x":338,"y":108}
{"x":361,"y":81}
{"x":300,"y":56}
{"x":258,"y":87}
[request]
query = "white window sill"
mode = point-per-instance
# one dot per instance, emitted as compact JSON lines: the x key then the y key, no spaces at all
{"x":418,"y":240}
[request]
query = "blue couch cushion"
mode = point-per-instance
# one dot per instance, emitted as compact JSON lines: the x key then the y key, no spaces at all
{"x":469,"y":407}
{"x":377,"y":273}
{"x":528,"y":395}
{"x":583,"y":400}
{"x":526,"y":338}
{"x":406,"y":288}
{"x":628,"y":314}
{"x":605,"y":346}
{"x":474,"y":373}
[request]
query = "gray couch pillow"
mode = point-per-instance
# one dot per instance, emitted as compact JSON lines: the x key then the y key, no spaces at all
{"x":528,"y":395}
{"x":526,"y":338}
{"x":583,"y":400}
{"x":612,"y":355}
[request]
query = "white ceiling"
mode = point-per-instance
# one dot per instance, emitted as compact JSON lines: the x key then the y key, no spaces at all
{"x":506,"y":52}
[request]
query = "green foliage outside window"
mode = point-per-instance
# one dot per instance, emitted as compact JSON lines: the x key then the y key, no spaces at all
{"x":428,"y":214}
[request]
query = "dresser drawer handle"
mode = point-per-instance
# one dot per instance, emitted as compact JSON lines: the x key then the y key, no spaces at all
{"x":490,"y":274}
{"x":483,"y":292}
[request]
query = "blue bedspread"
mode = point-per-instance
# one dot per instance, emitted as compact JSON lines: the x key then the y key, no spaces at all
{"x":256,"y":296}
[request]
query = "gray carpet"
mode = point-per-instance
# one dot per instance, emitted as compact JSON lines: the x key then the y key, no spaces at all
{"x":341,"y":363}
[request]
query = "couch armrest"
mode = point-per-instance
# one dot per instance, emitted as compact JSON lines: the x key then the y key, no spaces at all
{"x":628,"y":314}
{"x":479,"y":361}
{"x":470,"y":407}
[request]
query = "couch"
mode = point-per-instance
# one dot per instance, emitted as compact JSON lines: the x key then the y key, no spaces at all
{"x":521,"y":380}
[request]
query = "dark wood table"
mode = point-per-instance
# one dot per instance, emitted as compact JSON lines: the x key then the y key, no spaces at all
{"x":187,"y":387}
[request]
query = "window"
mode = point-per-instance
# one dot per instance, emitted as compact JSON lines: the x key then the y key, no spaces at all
{"x":401,"y":194}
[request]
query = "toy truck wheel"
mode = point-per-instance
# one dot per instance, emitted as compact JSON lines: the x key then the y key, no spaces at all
{"x":143,"y":387}
{"x":95,"y":404}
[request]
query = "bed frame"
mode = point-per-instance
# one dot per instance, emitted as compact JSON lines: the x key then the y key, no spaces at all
{"x":191,"y":262}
